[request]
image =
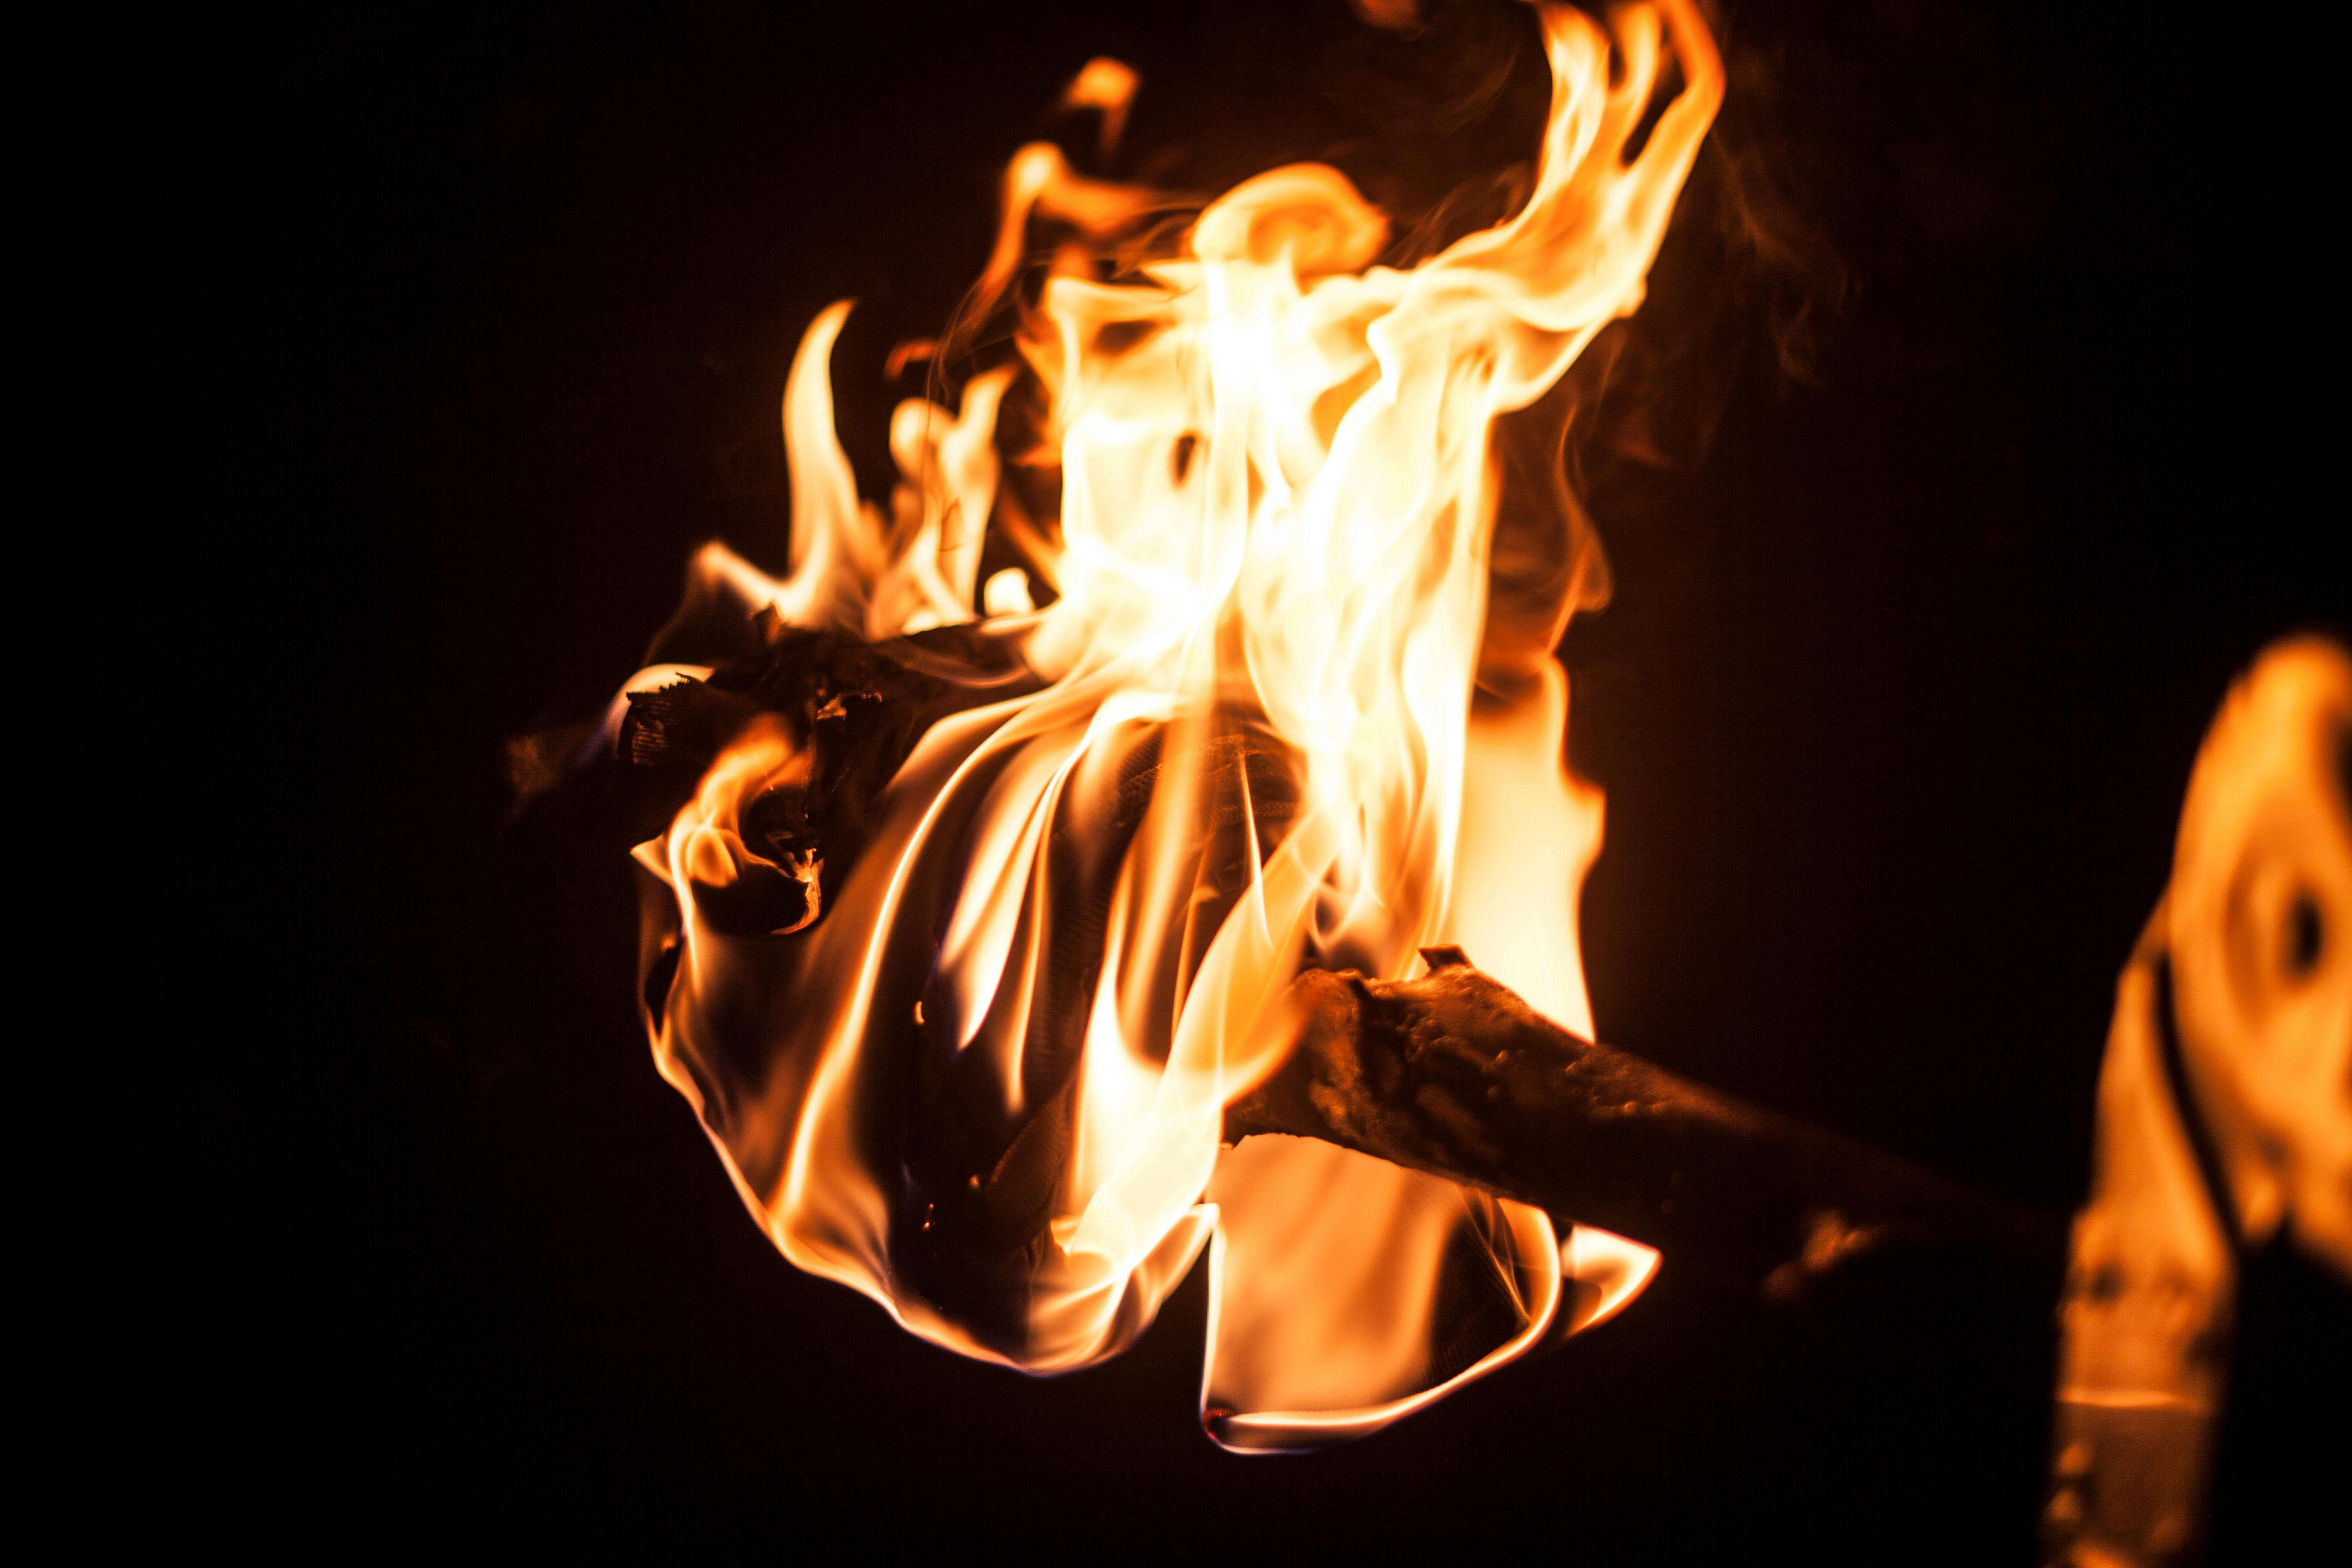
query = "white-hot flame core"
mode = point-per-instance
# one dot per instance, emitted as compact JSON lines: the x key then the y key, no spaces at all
{"x":1278,"y":500}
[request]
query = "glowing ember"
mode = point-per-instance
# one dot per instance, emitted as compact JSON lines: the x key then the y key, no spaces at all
{"x":965,"y":1038}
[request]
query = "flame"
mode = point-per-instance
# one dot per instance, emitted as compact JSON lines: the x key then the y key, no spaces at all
{"x":1108,"y":85}
{"x":1270,"y":718}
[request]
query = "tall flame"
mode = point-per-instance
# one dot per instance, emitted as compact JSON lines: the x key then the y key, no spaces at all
{"x":1267,"y":722}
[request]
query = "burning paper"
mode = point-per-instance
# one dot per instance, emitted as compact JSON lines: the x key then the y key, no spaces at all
{"x":977,"y":915}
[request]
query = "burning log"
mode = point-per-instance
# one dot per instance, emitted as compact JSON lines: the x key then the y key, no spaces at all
{"x":1013,"y":964}
{"x":963,"y":936}
{"x":1454,"y":1074}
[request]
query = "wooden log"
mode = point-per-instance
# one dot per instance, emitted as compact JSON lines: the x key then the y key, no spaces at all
{"x":1454,"y":1074}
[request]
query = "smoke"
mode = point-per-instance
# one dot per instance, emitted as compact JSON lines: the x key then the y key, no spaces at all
{"x":1748,"y":286}
{"x":1451,"y":95}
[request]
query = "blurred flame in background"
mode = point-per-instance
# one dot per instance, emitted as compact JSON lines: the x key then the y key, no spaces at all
{"x":1296,"y":706}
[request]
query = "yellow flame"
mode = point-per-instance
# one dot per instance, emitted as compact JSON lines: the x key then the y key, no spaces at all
{"x":1273,"y":558}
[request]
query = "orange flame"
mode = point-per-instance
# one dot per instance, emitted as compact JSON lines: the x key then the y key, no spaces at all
{"x":1270,"y":729}
{"x":1108,"y":85}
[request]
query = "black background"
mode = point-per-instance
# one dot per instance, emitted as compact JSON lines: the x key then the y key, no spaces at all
{"x":1895,"y":706}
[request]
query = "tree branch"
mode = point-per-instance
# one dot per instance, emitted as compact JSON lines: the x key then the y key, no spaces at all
{"x":1454,"y":1074}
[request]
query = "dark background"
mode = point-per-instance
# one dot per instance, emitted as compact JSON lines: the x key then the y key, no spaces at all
{"x":1895,"y":706}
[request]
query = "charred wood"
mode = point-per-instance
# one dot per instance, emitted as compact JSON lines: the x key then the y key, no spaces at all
{"x":1454,"y":1074}
{"x":856,"y":708}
